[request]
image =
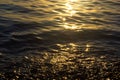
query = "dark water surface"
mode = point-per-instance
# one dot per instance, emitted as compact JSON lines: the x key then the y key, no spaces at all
{"x":59,"y":40}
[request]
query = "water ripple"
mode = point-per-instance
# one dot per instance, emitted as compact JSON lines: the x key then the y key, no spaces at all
{"x":60,"y":40}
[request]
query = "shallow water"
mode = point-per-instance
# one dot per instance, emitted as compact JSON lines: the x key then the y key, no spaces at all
{"x":59,"y":40}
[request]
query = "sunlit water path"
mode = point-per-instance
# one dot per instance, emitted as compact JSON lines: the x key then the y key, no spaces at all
{"x":59,"y":39}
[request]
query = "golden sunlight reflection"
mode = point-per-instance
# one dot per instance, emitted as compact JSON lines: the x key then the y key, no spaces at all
{"x":87,"y":47}
{"x":73,"y":0}
{"x":65,"y":55}
{"x":71,"y":47}
{"x":70,"y":52}
{"x":71,"y":26}
{"x":68,"y":55}
{"x":70,"y":11}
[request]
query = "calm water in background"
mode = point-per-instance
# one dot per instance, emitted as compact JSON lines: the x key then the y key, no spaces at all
{"x":59,"y":39}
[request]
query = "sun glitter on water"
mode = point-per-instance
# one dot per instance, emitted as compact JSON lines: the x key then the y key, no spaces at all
{"x":70,"y":11}
{"x":73,"y":0}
